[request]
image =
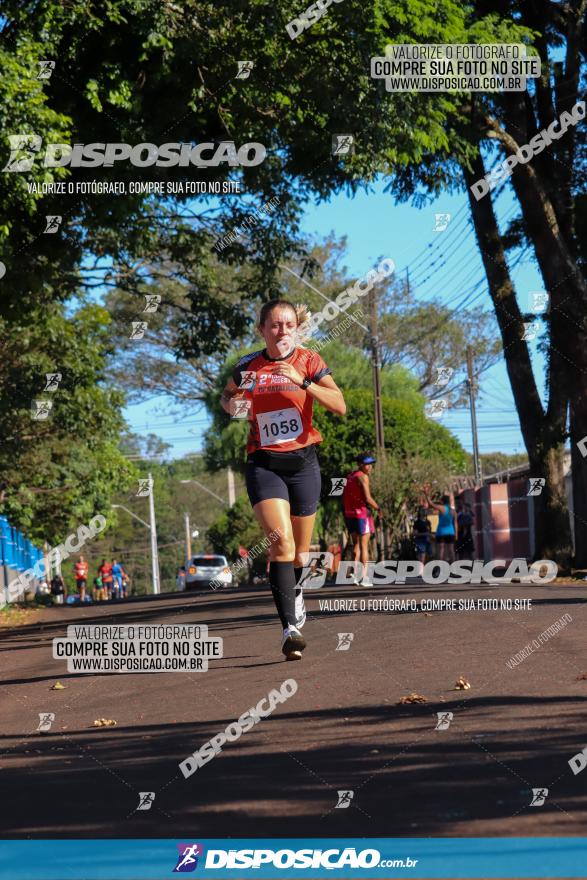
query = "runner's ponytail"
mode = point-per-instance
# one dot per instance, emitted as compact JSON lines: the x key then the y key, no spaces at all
{"x":303,"y":314}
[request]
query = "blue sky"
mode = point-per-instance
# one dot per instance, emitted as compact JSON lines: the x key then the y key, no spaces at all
{"x":444,"y":265}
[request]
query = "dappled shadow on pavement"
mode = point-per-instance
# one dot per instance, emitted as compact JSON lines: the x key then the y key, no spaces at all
{"x":408,"y":779}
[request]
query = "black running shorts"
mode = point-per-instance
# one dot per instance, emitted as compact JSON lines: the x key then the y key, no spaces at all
{"x":272,"y":479}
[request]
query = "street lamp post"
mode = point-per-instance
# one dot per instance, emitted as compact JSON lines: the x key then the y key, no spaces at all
{"x":209,"y":491}
{"x":188,"y":537}
{"x":189,"y":534}
{"x":154,"y":550}
{"x":152,"y":527}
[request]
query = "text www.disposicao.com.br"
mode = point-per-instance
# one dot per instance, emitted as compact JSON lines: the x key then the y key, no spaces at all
{"x":134,"y":664}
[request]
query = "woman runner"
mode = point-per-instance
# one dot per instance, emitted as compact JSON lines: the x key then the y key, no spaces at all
{"x":446,"y":530}
{"x":279,"y":386}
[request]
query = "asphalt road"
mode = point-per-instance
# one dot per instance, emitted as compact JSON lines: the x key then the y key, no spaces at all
{"x":515,"y":729}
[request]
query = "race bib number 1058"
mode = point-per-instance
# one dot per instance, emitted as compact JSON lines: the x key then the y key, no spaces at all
{"x":280,"y":425}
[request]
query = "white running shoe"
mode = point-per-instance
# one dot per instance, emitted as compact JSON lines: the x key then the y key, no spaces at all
{"x":366,"y":582}
{"x":293,"y":643}
{"x":300,"y":610}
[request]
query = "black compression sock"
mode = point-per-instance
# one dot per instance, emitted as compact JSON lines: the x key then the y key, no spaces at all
{"x":281,"y":575}
{"x":298,"y":574}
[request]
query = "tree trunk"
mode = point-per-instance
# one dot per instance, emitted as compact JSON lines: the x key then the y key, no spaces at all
{"x":568,"y":312}
{"x":568,"y":338}
{"x":551,"y":520}
{"x":543,"y":434}
{"x":578,"y":421}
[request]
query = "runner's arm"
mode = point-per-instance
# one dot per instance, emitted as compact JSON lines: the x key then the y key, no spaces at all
{"x":433,"y":504}
{"x":231,"y":390}
{"x":364,"y":481}
{"x":327,"y":392}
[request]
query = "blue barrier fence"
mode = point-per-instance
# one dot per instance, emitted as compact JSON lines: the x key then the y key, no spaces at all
{"x":17,"y":554}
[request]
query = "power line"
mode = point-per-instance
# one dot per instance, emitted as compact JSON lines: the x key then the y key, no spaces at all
{"x":434,"y":243}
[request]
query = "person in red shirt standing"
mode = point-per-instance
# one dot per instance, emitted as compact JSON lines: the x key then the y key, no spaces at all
{"x":105,"y":572}
{"x":356,"y":500}
{"x":80,"y":570}
{"x":277,"y":388}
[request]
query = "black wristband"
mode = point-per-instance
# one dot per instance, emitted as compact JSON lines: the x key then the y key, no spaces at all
{"x":307,"y":381}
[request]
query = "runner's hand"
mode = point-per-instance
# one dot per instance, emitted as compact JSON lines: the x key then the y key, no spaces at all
{"x":291,"y":373}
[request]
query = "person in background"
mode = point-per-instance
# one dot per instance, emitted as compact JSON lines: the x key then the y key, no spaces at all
{"x":58,"y":589}
{"x":465,"y":545}
{"x":80,"y":570}
{"x":125,"y":582}
{"x":105,"y":572}
{"x":422,"y":530}
{"x":356,"y":503}
{"x":446,"y":530}
{"x":98,"y":592}
{"x":180,"y":580}
{"x":118,"y":575}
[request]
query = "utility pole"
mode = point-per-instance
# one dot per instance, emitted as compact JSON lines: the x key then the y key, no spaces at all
{"x":472,"y":389}
{"x":154,"y":551}
{"x":231,"y":493}
{"x":188,"y":537}
{"x":379,"y":432}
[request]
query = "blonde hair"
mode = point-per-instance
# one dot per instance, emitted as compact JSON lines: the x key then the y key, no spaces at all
{"x":301,"y":312}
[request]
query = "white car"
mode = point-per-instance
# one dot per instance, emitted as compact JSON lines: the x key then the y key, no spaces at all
{"x":201,"y":570}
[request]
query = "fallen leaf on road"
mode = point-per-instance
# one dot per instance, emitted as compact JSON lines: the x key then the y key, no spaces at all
{"x":582,"y":677}
{"x":462,"y":684}
{"x":104,"y":722}
{"x":411,"y":698}
{"x":57,"y":686}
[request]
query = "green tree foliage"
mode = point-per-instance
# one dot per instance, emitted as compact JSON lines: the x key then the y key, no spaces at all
{"x":149,"y":72}
{"x":39,"y":267}
{"x":397,"y":483}
{"x":415,"y":335}
{"x":407,"y":431}
{"x":59,"y":472}
{"x":237,"y":527}
{"x":139,"y":74}
{"x":416,"y":447}
{"x":492,"y":462}
{"x":146,"y":71}
{"x":129,"y":541}
{"x":352,"y":369}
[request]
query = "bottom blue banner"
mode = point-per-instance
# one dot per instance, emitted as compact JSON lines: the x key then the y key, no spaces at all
{"x":531,"y":857}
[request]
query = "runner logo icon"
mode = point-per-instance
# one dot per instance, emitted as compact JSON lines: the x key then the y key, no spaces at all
{"x":187,"y":860}
{"x":344,"y":799}
{"x":338,"y":484}
{"x":539,"y":796}
{"x":315,"y":569}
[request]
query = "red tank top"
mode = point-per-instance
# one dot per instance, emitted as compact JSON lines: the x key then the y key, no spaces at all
{"x":281,"y":412}
{"x":81,"y":571}
{"x":353,"y":496}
